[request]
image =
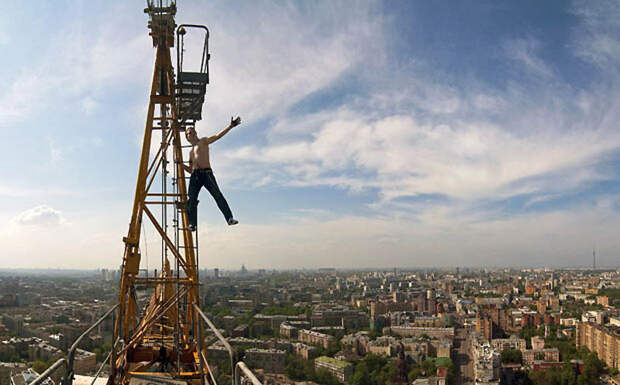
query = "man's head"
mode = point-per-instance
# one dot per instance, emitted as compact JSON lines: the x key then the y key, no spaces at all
{"x":190,"y":135}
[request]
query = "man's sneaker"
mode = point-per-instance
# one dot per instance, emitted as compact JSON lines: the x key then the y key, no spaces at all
{"x":232,"y":221}
{"x":192,"y":227}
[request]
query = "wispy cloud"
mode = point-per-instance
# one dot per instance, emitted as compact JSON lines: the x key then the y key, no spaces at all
{"x":437,"y":237}
{"x":79,"y":68}
{"x":526,"y":52}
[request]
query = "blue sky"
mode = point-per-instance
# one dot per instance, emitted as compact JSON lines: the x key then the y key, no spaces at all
{"x":375,"y":134}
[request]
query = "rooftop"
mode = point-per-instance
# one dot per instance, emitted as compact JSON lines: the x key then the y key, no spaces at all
{"x":332,"y":361}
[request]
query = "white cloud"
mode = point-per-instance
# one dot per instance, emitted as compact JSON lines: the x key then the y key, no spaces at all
{"x":596,"y":39}
{"x":57,"y":154}
{"x":271,"y":56}
{"x":406,"y":157}
{"x":413,"y":134}
{"x":76,"y":70}
{"x":42,"y":215}
{"x":4,"y":36}
{"x":89,"y":105}
{"x":437,"y":237}
{"x":526,"y":53}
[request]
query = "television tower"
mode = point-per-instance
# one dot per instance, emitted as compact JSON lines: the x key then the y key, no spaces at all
{"x":593,"y":259}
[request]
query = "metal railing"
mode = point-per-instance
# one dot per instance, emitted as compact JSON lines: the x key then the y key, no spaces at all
{"x":220,"y":337}
{"x":68,"y":362}
{"x":239,"y":369}
{"x":242,"y":367}
{"x":106,"y":360}
{"x":68,"y":378}
{"x":46,"y":374}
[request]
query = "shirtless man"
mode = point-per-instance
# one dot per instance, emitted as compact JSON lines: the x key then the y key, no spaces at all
{"x":202,"y":175}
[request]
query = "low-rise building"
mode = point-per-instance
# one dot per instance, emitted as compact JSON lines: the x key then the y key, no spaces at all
{"x":315,"y":338}
{"x":271,"y":360}
{"x":513,"y":342}
{"x":342,"y":370}
{"x":306,"y":352}
{"x":287,"y":330}
{"x":85,"y":362}
{"x":356,"y":343}
{"x":486,"y":361}
{"x":409,"y":331}
{"x":384,"y":346}
{"x":550,"y":355}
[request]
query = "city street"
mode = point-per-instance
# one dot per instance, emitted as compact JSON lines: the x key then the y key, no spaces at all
{"x":463,"y":361}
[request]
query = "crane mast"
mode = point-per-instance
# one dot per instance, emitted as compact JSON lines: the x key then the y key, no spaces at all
{"x":161,"y":339}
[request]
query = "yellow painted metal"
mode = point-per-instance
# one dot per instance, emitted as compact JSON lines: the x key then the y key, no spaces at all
{"x":160,"y":319}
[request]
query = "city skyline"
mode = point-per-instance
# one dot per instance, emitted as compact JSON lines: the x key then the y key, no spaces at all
{"x":385,"y":134}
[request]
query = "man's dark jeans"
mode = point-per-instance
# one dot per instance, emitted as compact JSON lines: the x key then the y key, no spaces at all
{"x":199,"y":178}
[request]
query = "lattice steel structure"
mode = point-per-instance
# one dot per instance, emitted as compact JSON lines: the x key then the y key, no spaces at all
{"x":163,"y":338}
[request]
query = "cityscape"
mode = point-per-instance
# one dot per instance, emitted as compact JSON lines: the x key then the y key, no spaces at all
{"x":329,"y":326}
{"x":378,"y":192}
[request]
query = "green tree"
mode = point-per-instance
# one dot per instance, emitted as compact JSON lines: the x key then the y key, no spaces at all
{"x":592,"y":369}
{"x":333,"y":348}
{"x":551,"y":376}
{"x":39,"y":366}
{"x":568,"y":376}
{"x":324,"y":377}
{"x":428,"y":367}
{"x":62,"y":319}
{"x":414,"y":374}
{"x":513,"y":356}
{"x":361,"y":376}
{"x":294,"y":368}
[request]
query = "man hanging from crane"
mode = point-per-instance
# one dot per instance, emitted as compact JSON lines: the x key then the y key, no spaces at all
{"x":202,"y":174}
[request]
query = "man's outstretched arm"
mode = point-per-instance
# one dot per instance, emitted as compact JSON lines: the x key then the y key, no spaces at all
{"x":233,"y":123}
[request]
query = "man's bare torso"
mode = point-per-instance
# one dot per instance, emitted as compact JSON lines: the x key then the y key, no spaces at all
{"x":199,"y":155}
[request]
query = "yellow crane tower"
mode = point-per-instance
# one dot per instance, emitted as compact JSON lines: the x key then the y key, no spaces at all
{"x":165,"y":338}
{"x":160,"y":340}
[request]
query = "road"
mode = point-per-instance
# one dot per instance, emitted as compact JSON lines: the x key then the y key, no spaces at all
{"x":463,"y":361}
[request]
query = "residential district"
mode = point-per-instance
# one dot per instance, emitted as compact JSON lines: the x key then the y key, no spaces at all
{"x":327,"y":326}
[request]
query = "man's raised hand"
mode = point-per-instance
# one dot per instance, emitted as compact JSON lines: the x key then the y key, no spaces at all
{"x":235,"y":122}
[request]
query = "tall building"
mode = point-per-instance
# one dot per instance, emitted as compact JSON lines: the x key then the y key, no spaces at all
{"x":604,"y":340}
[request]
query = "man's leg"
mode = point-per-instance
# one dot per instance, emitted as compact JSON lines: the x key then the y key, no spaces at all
{"x":192,"y":199}
{"x":211,"y":185}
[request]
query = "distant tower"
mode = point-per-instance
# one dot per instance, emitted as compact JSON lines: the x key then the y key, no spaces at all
{"x":593,"y":259}
{"x":216,"y":273}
